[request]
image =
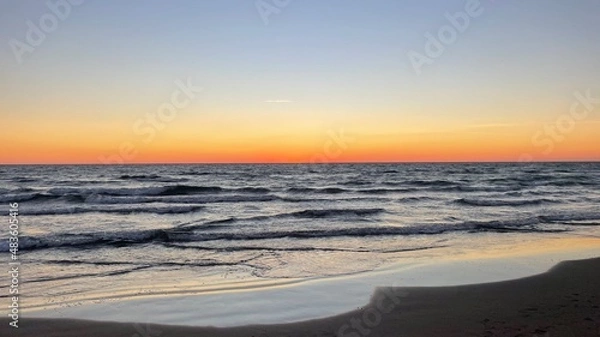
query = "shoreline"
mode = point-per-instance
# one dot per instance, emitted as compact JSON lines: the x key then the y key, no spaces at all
{"x":563,"y":301}
{"x":276,"y":302}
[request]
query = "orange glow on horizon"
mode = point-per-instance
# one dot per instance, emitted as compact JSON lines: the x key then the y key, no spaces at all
{"x":64,"y":143}
{"x":426,"y":151}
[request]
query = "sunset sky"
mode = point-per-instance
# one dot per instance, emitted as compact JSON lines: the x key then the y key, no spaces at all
{"x":308,"y":81}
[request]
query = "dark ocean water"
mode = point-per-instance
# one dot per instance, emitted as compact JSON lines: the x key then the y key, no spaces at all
{"x":121,"y":224}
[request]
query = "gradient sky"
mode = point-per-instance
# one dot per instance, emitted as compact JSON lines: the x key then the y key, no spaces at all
{"x":283,"y":90}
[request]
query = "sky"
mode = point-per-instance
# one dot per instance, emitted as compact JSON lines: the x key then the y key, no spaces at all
{"x":88,"y":81}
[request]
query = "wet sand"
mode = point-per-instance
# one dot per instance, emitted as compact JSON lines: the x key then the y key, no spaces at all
{"x":565,"y":301}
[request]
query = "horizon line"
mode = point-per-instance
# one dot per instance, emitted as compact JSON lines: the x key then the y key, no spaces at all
{"x":307,"y":163}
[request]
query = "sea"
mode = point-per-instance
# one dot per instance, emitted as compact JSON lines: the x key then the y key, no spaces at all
{"x":93,"y":233}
